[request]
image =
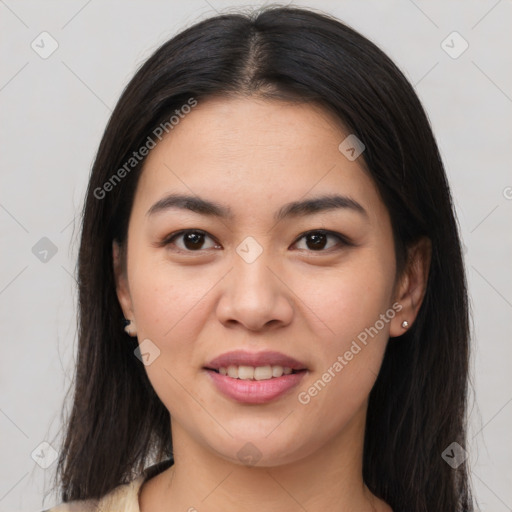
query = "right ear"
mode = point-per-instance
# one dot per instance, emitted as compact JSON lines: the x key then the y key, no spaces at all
{"x":121,"y":280}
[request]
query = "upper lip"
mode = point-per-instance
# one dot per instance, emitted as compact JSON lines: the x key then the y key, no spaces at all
{"x":244,"y":358}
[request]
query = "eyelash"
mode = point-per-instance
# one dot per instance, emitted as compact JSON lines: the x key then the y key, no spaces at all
{"x":341,"y":240}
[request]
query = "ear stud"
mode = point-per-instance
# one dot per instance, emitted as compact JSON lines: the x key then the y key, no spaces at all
{"x":127,"y":327}
{"x":405,"y":324}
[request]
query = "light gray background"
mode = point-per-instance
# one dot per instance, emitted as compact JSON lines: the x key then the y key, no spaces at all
{"x":54,"y":111}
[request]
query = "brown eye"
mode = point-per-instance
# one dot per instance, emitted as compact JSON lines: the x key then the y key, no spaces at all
{"x":191,"y":240}
{"x":320,"y":240}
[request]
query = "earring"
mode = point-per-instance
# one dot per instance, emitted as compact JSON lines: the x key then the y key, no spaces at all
{"x":405,"y":324}
{"x":127,"y":327}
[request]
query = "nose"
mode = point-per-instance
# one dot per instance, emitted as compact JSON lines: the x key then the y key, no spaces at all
{"x":254,"y":298}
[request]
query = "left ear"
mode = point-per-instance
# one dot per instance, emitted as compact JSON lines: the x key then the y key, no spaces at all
{"x":412,"y":286}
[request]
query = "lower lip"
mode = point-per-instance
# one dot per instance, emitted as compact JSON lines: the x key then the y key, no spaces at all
{"x":255,"y":391}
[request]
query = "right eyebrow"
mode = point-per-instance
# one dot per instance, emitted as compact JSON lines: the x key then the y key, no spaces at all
{"x":192,"y":203}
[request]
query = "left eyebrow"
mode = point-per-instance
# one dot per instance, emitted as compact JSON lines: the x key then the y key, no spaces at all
{"x":293,"y":209}
{"x":319,"y":204}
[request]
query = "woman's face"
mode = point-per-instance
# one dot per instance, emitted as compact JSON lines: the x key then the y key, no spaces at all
{"x":288,"y":253}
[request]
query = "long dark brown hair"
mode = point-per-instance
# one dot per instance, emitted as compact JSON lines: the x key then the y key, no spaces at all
{"x":417,"y":407}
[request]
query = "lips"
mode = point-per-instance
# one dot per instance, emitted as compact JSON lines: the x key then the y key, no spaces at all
{"x":249,"y":388}
{"x":242,"y":358}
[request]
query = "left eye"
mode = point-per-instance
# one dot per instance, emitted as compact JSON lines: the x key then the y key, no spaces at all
{"x":319,"y":240}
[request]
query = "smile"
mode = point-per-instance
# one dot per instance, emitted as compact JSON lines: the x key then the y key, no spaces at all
{"x":254,"y":378}
{"x":255,"y":373}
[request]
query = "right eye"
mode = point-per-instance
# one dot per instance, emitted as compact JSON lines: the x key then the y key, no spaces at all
{"x":190,"y":240}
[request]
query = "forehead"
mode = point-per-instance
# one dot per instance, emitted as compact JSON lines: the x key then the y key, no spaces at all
{"x":230,"y":127}
{"x":251,"y":153}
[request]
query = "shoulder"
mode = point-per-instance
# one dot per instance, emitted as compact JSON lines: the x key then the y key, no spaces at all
{"x":75,"y":506}
{"x":123,"y":498}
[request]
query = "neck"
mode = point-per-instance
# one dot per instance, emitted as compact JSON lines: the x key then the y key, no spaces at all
{"x":328,"y":478}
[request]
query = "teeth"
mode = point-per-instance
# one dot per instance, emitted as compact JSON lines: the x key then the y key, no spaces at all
{"x":262,"y":372}
{"x":245,"y":372}
{"x":277,"y":371}
{"x":255,"y":373}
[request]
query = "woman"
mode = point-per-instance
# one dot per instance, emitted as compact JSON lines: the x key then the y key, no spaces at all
{"x":269,"y":219}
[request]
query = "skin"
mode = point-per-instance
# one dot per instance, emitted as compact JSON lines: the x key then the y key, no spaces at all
{"x":254,"y":156}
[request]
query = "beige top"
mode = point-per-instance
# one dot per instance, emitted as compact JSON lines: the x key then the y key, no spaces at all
{"x":123,"y":498}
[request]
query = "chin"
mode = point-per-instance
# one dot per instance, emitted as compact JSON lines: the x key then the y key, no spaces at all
{"x":262,"y":450}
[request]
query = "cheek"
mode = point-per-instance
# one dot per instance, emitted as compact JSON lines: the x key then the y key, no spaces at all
{"x":350,"y":299}
{"x":171,"y":309}
{"x":354,"y":305}
{"x":168,"y":302}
